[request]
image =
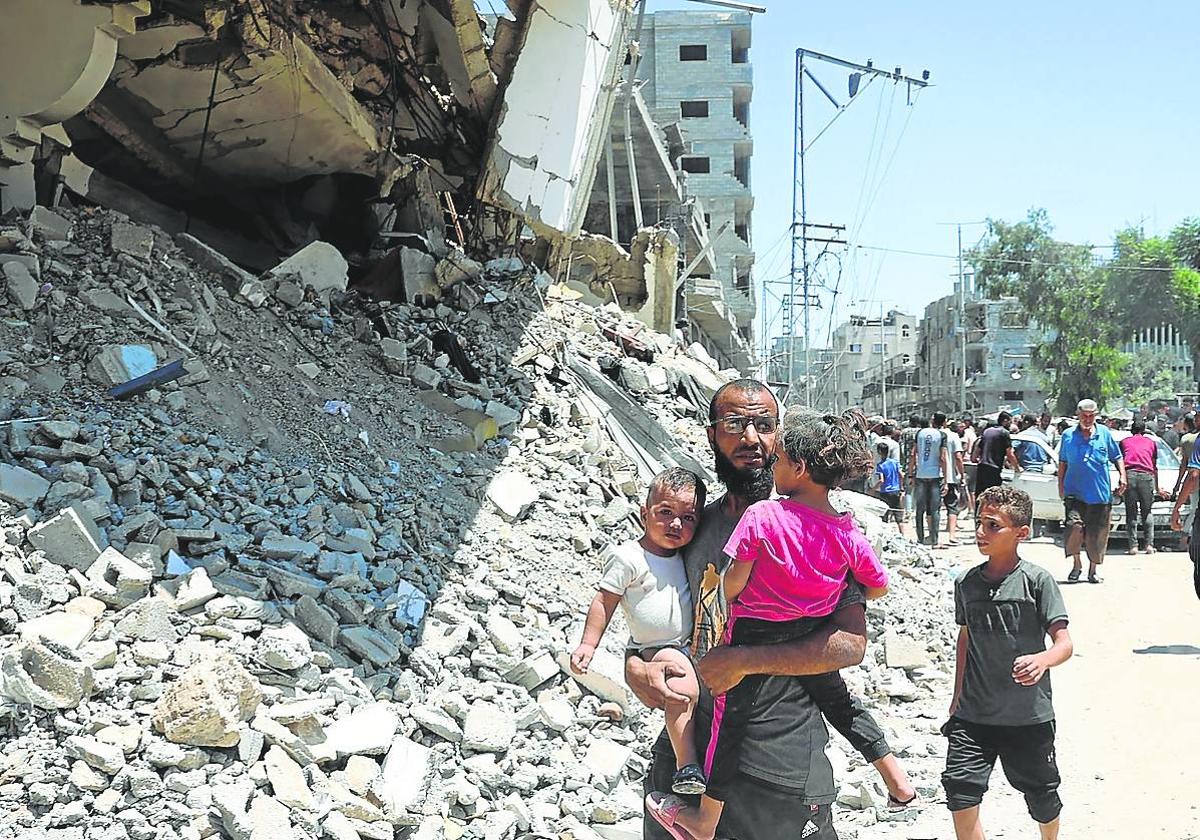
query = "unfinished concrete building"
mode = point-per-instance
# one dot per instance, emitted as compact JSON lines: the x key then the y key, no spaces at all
{"x":698,"y":79}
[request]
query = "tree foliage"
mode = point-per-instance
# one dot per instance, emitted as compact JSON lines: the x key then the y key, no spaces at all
{"x":1091,"y":308}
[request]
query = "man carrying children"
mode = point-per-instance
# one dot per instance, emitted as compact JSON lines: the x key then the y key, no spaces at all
{"x":783,"y":777}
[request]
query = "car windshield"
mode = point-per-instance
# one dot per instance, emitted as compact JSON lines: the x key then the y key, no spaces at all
{"x":1166,"y":458}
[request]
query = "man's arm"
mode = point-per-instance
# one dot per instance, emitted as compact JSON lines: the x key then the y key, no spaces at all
{"x":1062,"y":474}
{"x":1185,"y":492}
{"x":1121,"y":484}
{"x":1011,"y":457}
{"x":840,"y":643}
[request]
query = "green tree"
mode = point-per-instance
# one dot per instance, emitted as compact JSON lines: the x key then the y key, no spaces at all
{"x":1150,"y":374}
{"x":1063,"y":290}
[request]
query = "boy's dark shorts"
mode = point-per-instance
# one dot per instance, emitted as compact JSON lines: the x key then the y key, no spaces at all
{"x":1093,"y":517}
{"x":895,"y":506}
{"x":950,"y":500}
{"x":1026,"y":754}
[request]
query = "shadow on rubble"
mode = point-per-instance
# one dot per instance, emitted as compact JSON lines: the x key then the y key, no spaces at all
{"x":446,"y":434}
{"x":1172,"y":650}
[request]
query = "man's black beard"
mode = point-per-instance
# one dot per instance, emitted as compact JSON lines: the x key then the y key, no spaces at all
{"x":751,"y":485}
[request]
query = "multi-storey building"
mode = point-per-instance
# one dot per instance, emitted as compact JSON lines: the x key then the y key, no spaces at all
{"x":696,"y":77}
{"x":1000,"y":339}
{"x":860,"y":344}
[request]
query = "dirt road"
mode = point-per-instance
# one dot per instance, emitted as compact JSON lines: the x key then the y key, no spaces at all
{"x":1128,"y":707}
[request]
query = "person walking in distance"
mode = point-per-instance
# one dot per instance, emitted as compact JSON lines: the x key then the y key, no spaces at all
{"x":1186,"y":443}
{"x":1140,"y":452}
{"x":995,"y":450}
{"x":954,"y":478}
{"x":930,"y":465}
{"x":908,"y":445}
{"x":1084,"y":454}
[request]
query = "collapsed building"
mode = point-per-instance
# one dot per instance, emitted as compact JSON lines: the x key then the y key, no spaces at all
{"x":394,"y":131}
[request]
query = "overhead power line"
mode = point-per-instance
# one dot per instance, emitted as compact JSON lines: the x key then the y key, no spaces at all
{"x":1007,"y":261}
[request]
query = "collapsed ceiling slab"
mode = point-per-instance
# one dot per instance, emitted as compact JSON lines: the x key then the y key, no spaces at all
{"x":554,"y":115}
{"x":278,"y":113}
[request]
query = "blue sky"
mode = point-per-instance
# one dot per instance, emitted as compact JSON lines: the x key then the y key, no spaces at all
{"x":1086,"y":109}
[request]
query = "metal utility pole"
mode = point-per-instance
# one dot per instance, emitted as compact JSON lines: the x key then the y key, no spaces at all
{"x":962,"y":330}
{"x":801,"y":270}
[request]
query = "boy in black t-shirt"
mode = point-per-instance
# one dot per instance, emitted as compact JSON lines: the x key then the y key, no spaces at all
{"x":1002,"y":703}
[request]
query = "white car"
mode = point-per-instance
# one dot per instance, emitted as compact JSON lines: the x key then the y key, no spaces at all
{"x":1042,"y":485}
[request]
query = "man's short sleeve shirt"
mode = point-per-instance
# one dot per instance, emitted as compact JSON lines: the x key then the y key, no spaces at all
{"x":1087,"y":459}
{"x":953,"y":447}
{"x":930,"y":442}
{"x":1005,"y":619}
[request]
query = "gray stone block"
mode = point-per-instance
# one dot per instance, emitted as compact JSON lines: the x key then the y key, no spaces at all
{"x":69,"y":538}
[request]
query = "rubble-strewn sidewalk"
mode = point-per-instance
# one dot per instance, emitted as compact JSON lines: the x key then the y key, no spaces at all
{"x":321,"y":585}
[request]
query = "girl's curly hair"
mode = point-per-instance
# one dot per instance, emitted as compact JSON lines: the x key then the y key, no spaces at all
{"x":833,"y":447}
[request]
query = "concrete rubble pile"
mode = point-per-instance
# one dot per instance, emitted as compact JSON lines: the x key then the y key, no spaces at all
{"x":310,"y":598}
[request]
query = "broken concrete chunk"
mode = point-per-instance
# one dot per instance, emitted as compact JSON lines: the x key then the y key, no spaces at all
{"x":207,"y":704}
{"x":131,"y":239}
{"x":116,"y":580}
{"x":70,"y":538}
{"x":317,"y":264}
{"x":69,"y":629}
{"x":45,"y":675}
{"x":512,"y":494}
{"x":51,"y":226}
{"x":605,"y":677}
{"x":488,"y":728}
{"x":607,"y":759}
{"x":456,"y":268}
{"x":368,"y":730}
{"x":534,"y":670}
{"x":107,"y":758}
{"x":20,"y":487}
{"x":402,"y":784}
{"x":419,"y":272}
{"x":425,"y":377}
{"x":21,"y":285}
{"x":904,"y":652}
{"x":287,"y":780}
{"x":285,"y":648}
{"x":370,"y":645}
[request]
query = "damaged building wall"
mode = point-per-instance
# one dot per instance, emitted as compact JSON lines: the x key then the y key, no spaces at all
{"x":554,"y":116}
{"x":55,"y":56}
{"x":641,"y":280}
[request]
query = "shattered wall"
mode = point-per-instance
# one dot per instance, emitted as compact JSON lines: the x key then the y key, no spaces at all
{"x":554,"y":116}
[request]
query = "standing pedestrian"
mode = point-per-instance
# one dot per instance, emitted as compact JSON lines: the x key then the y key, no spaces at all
{"x":1192,"y":478}
{"x":930,"y":466}
{"x":1084,"y":454}
{"x":995,"y":450}
{"x":1187,"y":441}
{"x":908,"y":445}
{"x":890,"y":483}
{"x":1140,"y":452}
{"x":1047,"y":429}
{"x":954,"y":479}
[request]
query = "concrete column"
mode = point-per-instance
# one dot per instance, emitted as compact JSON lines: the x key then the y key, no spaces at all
{"x":55,"y":56}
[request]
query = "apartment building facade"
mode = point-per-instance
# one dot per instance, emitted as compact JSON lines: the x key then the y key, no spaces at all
{"x":861,"y":344}
{"x":695,"y":74}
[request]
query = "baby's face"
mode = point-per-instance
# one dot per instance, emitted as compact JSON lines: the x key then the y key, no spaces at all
{"x":671,"y":518}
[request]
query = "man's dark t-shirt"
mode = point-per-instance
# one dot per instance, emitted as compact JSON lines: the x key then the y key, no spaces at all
{"x":785,"y":741}
{"x":994,"y":446}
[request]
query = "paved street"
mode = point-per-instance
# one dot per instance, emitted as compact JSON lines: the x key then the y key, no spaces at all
{"x":1128,"y":736}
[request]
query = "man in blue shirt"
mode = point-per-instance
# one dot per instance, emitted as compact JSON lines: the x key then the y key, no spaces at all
{"x":1190,"y":479}
{"x":1084,"y":454}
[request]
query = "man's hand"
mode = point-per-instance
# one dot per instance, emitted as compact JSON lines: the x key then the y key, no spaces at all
{"x":1027,"y":670}
{"x":648,"y":682}
{"x":720,"y":668}
{"x":582,"y":658}
{"x":1176,"y":519}
{"x":1121,"y":486}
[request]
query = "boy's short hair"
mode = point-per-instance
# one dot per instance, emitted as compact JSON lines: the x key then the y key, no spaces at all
{"x":882,"y":449}
{"x":677,"y":478}
{"x":1013,"y":503}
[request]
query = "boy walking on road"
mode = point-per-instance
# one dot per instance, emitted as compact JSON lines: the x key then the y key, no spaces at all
{"x":1002,"y":703}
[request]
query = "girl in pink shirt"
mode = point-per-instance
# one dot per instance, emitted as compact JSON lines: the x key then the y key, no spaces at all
{"x":792,"y":556}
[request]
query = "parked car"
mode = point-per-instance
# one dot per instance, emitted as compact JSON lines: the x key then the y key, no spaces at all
{"x":1042,"y":487}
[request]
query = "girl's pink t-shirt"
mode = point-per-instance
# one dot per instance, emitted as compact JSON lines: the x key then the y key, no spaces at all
{"x":800,"y":557}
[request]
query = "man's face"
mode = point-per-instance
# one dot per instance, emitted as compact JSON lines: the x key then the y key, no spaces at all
{"x":744,"y":452}
{"x":750,"y":448}
{"x":1044,"y":422}
{"x":1087,"y":420}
